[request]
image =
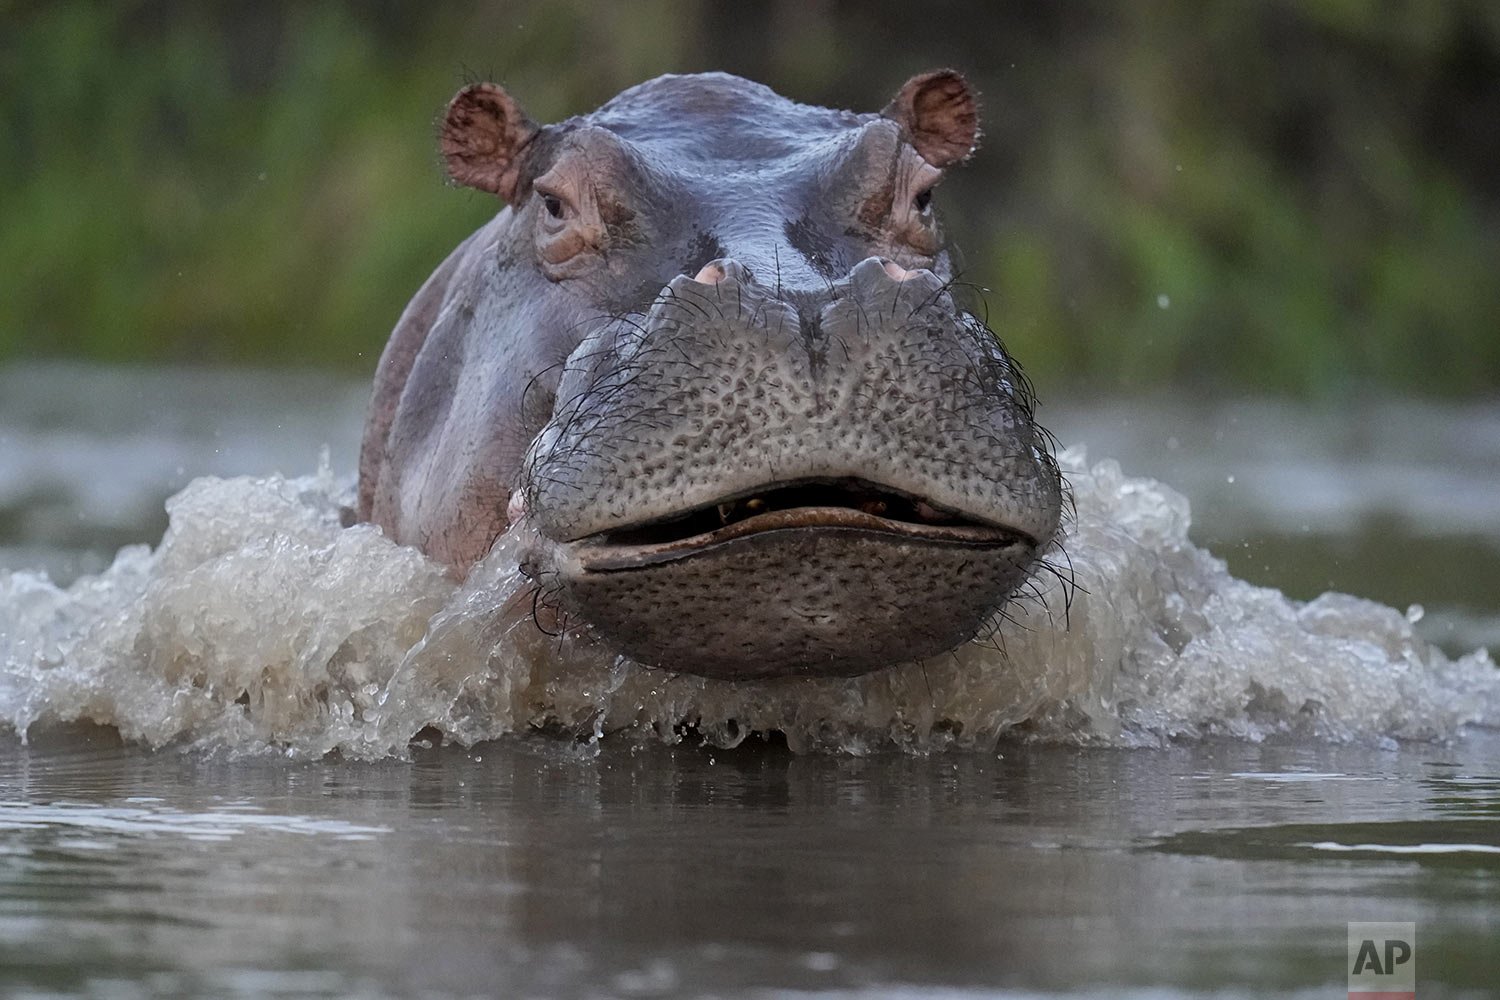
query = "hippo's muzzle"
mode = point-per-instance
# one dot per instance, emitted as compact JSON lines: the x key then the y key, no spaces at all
{"x":744,"y":483}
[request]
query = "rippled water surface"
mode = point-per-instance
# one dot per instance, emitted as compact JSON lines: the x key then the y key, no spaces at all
{"x":539,"y":870}
{"x":544,"y":865}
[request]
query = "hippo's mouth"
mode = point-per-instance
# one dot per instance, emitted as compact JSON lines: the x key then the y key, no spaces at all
{"x":842,"y":505}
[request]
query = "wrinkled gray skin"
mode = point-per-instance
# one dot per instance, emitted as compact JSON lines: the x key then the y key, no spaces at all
{"x":709,"y":352}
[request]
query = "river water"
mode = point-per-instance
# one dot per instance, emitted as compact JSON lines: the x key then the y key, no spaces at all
{"x":1165,"y":782}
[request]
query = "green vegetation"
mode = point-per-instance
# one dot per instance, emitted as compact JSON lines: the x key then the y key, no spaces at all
{"x":1290,"y":195}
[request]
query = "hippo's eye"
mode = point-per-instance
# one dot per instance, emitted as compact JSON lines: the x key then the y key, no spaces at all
{"x":922,"y":201}
{"x":553,"y":204}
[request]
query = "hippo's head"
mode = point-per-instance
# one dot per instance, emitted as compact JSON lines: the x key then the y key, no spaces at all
{"x":710,"y":353}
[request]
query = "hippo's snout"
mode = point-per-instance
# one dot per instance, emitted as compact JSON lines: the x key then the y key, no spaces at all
{"x":743,"y":482}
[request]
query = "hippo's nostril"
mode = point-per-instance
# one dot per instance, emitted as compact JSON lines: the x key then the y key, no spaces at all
{"x":515,"y":509}
{"x":723,"y":269}
{"x":711,"y":274}
{"x":896,"y":271}
{"x":883,"y":276}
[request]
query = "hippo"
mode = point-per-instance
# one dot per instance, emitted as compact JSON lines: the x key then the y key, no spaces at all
{"x":711,"y":354}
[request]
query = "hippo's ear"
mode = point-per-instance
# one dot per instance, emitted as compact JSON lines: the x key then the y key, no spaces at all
{"x":940,"y":114}
{"x":483,"y":133}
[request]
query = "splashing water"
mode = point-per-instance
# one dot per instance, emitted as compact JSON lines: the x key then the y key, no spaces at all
{"x":260,"y":624}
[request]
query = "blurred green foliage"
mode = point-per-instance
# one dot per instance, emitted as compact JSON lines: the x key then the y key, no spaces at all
{"x":1297,"y":195}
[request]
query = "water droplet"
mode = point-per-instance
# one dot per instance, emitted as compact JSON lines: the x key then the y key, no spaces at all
{"x":1229,"y":479}
{"x":1163,"y":301}
{"x":1415,"y":612}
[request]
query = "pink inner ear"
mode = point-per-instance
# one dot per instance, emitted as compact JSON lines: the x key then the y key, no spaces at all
{"x":483,"y":133}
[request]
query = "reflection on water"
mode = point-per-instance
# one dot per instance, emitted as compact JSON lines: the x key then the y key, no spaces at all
{"x":533,"y":868}
{"x":145,"y":815}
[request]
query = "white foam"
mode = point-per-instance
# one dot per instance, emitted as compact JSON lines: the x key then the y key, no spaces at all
{"x":261,"y":625}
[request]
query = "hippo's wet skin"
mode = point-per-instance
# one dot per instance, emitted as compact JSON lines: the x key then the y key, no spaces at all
{"x":709,"y":352}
